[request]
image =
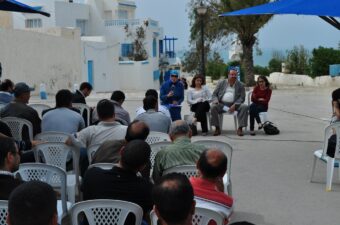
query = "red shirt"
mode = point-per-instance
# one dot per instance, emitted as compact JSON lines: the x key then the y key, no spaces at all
{"x":258,"y":93}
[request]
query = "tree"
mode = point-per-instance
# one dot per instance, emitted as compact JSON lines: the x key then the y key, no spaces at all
{"x":215,"y":66}
{"x":297,"y":60}
{"x":219,"y":28}
{"x":322,"y":58}
{"x":191,"y":61}
{"x":139,"y":52}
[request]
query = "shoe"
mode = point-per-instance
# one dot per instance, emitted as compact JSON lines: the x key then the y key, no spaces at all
{"x":217,"y":132}
{"x":240,"y":132}
{"x":252,"y":133}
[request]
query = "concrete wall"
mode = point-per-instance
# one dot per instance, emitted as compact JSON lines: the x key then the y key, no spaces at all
{"x":37,"y":58}
{"x":303,"y":80}
{"x":67,"y":13}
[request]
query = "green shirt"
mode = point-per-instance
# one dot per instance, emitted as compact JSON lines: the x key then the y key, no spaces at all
{"x":181,"y":152}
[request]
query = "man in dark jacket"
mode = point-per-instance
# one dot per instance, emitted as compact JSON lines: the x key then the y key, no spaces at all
{"x":84,"y":91}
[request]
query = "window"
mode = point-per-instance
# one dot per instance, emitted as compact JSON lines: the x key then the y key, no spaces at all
{"x":154,"y":48}
{"x":33,"y":23}
{"x":123,"y":14}
{"x":127,"y":50}
{"x":160,"y":47}
{"x":81,"y":24}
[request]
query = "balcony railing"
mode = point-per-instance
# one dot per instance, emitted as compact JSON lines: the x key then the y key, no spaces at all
{"x":131,"y":22}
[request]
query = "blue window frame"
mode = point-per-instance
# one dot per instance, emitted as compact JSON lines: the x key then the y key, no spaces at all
{"x":154,"y":48}
{"x":127,"y":50}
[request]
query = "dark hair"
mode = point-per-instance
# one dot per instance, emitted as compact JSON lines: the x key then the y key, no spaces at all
{"x":151,"y":92}
{"x":105,"y":109}
{"x":198,"y":76}
{"x":137,"y":130}
{"x":6,"y":84}
{"x":135,"y":154}
{"x":85,"y":85}
{"x":118,"y":96}
{"x":173,"y":196}
{"x":266,"y":82}
{"x":336,"y":95}
{"x":63,"y":98}
{"x":7,"y":145}
{"x":149,"y":102}
{"x":211,"y":171}
{"x":32,"y":203}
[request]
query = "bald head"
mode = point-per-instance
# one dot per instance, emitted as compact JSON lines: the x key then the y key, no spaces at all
{"x":179,"y":128}
{"x":137,"y":130}
{"x":212,"y":163}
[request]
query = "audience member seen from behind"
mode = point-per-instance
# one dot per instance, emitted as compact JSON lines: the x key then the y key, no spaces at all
{"x":180,"y":152}
{"x":19,"y":108}
{"x":32,"y":203}
{"x":122,"y":182}
{"x":9,"y":163}
{"x":161,"y":108}
{"x":172,"y":95}
{"x":6,"y":92}
{"x":229,"y":96}
{"x":260,"y":99}
{"x":62,"y":118}
{"x":84,"y":91}
{"x":173,"y":199}
{"x":198,"y":97}
{"x":335,"y":98}
{"x":208,"y":187}
{"x":156,"y":121}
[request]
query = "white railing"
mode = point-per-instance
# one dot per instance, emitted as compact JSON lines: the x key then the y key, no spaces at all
{"x":131,"y":22}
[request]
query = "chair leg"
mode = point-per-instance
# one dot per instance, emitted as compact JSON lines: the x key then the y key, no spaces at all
{"x":330,"y":171}
{"x":221,"y":121}
{"x":208,"y":121}
{"x":235,"y":122}
{"x":313,"y":169}
{"x":229,"y":189}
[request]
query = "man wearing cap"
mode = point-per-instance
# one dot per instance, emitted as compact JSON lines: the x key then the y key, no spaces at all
{"x":19,"y":108}
{"x":172,"y":95}
{"x":229,"y":96}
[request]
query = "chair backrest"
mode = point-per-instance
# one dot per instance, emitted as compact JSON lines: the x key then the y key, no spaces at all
{"x":202,"y":216}
{"x":187,"y":170}
{"x":83,"y":107}
{"x":104,"y":166}
{"x":52,"y":136}
{"x":3,"y":212}
{"x":39,"y":108}
{"x":16,"y":125}
{"x":329,"y":130}
{"x":155,"y":137}
{"x":53,"y":175}
{"x":104,"y":211}
{"x":155,"y":148}
{"x":249,"y":97}
{"x":91,"y":150}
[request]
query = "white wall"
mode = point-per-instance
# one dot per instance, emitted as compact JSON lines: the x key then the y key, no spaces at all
{"x":67,"y":13}
{"x":34,"y":58}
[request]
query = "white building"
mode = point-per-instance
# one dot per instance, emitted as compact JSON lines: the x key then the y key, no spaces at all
{"x":106,"y":48}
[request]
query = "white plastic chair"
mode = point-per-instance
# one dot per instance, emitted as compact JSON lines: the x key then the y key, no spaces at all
{"x":54,"y":153}
{"x":91,"y":150}
{"x":263,"y":115}
{"x":104,"y":166}
{"x":83,"y":107}
{"x":155,"y":137}
{"x":331,"y":162}
{"x":39,"y":108}
{"x":3,"y":212}
{"x":155,"y":148}
{"x":234,"y":114}
{"x":16,"y":125}
{"x":53,"y":175}
{"x":187,"y":170}
{"x":227,"y":149}
{"x":104,"y":211}
{"x":202,"y":216}
{"x":52,"y":136}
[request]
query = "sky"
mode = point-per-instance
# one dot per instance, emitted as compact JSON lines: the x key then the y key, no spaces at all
{"x":281,"y":33}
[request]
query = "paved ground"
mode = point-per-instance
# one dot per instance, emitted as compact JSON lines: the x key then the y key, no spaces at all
{"x":270,"y":174}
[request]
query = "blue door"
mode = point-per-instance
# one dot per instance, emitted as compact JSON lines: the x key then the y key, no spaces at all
{"x":90,"y":71}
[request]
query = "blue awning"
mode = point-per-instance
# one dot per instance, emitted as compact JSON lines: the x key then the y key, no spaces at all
{"x":15,"y":6}
{"x":326,"y":9}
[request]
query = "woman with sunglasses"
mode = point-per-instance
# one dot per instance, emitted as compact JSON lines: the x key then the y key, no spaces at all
{"x":260,"y":99}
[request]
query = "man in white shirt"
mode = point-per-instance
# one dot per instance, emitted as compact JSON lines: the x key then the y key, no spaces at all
{"x":161,"y":108}
{"x":229,"y":96}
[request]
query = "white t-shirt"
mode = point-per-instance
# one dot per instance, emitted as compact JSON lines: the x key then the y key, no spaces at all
{"x":229,"y":94}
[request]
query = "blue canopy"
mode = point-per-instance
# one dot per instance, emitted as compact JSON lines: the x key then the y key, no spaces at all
{"x":14,"y":6}
{"x":326,"y":9}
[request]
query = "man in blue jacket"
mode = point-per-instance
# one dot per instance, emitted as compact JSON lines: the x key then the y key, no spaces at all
{"x":172,"y":95}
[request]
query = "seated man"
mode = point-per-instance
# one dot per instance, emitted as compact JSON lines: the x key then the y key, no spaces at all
{"x":122,"y":182}
{"x":181,"y":152}
{"x":208,"y":187}
{"x":19,"y":108}
{"x":156,"y":121}
{"x":174,"y":200}
{"x":32,"y":203}
{"x":9,"y":163}
{"x":62,"y":118}
{"x":161,"y":108}
{"x":229,"y":96}
{"x":85,"y":90}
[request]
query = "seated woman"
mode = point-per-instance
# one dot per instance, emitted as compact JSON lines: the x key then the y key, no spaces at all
{"x":198,"y":97}
{"x":335,"y":119}
{"x":260,"y":99}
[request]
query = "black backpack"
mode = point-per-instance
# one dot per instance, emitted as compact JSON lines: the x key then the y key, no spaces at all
{"x":270,"y":129}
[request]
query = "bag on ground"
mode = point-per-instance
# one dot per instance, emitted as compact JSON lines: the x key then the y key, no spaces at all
{"x":270,"y":129}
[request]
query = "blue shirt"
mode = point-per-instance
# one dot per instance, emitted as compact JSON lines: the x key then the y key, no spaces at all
{"x":178,"y":90}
